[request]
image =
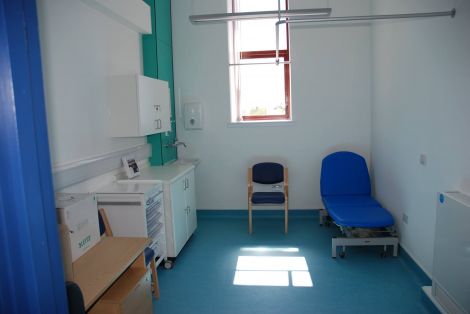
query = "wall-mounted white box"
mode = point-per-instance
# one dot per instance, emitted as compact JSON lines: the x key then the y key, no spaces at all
{"x":138,"y":105}
{"x":79,"y":212}
{"x":193,"y":116}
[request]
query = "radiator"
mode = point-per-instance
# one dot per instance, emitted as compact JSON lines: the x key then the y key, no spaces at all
{"x":451,"y":266}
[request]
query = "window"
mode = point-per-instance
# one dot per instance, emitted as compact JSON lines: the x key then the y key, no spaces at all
{"x":259,"y":88}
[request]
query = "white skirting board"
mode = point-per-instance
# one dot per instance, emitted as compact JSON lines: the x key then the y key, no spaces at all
{"x":428,"y":291}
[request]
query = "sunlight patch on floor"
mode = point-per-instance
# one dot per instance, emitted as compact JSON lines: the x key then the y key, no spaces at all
{"x":261,"y":278}
{"x":265,"y":249}
{"x":301,"y":279}
{"x":277,"y":271}
{"x":272,"y":263}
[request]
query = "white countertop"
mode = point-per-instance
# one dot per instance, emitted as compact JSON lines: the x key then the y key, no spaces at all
{"x":154,"y":174}
{"x":127,"y":187}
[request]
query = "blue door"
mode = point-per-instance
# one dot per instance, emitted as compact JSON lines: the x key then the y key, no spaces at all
{"x":31,"y":276}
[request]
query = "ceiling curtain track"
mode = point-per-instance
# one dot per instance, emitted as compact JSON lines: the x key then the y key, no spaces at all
{"x":227,"y":17}
{"x":318,"y":15}
{"x":450,"y":13}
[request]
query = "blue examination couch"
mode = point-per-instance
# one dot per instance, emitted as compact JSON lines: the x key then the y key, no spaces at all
{"x":346,"y":195}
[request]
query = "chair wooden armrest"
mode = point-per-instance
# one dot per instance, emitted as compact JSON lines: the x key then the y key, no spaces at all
{"x":250,"y":182}
{"x":286,"y":181}
{"x":107,"y":226}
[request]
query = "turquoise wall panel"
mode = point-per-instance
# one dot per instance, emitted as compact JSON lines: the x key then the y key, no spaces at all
{"x":163,"y":22}
{"x":150,"y":69}
{"x":158,"y":63}
{"x":169,"y":154}
{"x":165,"y":61}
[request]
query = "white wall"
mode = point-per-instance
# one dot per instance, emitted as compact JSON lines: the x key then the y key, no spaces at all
{"x":421,"y":104}
{"x":80,"y":47}
{"x":330,"y":97}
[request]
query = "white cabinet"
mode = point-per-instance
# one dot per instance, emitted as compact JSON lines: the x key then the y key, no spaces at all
{"x":451,"y":265}
{"x":138,"y":105}
{"x":136,"y":210}
{"x":190,"y":196}
{"x":179,"y":190}
{"x":180,"y":211}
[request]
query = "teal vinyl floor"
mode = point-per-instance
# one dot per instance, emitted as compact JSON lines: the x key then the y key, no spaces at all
{"x":202,"y":279}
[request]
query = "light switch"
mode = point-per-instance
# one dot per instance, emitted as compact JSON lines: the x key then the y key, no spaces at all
{"x":423,"y":159}
{"x":193,"y":116}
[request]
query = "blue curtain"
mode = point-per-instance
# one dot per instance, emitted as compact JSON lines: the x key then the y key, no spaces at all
{"x":31,"y":273}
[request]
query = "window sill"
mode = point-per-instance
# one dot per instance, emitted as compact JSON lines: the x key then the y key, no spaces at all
{"x":261,"y":123}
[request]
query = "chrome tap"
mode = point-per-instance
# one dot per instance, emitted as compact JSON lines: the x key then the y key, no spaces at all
{"x":175,"y":144}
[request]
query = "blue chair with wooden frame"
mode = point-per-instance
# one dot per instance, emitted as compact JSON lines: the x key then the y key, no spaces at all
{"x":274,"y":176}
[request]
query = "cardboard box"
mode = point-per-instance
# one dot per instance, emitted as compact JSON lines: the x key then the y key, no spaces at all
{"x":79,"y":213}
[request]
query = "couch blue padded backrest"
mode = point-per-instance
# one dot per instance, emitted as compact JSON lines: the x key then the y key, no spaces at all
{"x":344,"y":173}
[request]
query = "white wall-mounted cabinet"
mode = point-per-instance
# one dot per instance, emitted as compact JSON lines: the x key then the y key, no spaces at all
{"x":138,"y":105}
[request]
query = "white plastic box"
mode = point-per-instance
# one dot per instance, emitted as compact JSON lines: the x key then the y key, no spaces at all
{"x":79,"y":212}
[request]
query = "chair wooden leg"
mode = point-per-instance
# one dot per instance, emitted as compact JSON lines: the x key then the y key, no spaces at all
{"x":250,"y":222}
{"x":156,"y":288}
{"x":286,"y":218}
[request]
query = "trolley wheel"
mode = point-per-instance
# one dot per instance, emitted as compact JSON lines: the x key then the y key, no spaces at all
{"x":168,"y":264}
{"x":342,"y":254}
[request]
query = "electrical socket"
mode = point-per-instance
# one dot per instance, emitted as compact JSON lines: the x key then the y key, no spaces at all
{"x":404,"y":218}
